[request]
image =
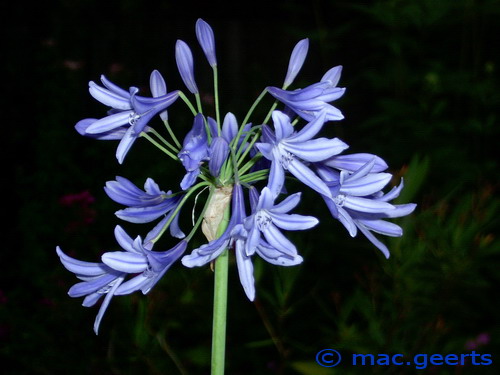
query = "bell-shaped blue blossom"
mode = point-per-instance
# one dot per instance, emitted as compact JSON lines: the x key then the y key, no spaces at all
{"x":98,"y":280}
{"x":310,"y":101}
{"x":290,"y":151}
{"x":194,"y":151}
{"x":107,"y":277}
{"x":145,"y":205}
{"x":185,"y":65}
{"x":267,"y":219}
{"x":147,"y":266}
{"x":205,"y":36}
{"x":297,"y":59}
{"x":130,"y":113}
{"x":359,"y":203}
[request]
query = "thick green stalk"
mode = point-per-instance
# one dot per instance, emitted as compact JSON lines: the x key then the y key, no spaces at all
{"x":220,"y":304}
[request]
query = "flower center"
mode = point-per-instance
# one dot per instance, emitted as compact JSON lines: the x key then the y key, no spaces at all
{"x":105,"y":289}
{"x":339,"y":200}
{"x":149,"y":273}
{"x":263,"y":220}
{"x":133,"y":118}
{"x":286,"y":159}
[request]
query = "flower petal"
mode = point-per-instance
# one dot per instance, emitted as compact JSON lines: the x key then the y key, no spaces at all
{"x":125,"y":261}
{"x":293,"y":221}
{"x":157,"y":84}
{"x":109,"y":122}
{"x":316,"y":149}
{"x":184,"y":59}
{"x":306,"y":176}
{"x":297,"y":59}
{"x":282,"y":126}
{"x":79,"y":267}
{"x":287,"y":204}
{"x":370,"y":184}
{"x":205,"y":36}
{"x":245,"y":271}
{"x":109,"y":98}
{"x":276,"y":239}
{"x":367,"y":205}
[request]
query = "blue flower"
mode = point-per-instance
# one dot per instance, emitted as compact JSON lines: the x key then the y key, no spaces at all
{"x":184,"y":59}
{"x":98,"y":280}
{"x":218,"y":152}
{"x":205,"y":36}
{"x":107,"y":278}
{"x":268,"y":217}
{"x":297,"y":59}
{"x":194,"y":151}
{"x":290,"y":150}
{"x":140,"y":259}
{"x":244,"y":233}
{"x":359,"y":203}
{"x":145,"y":206}
{"x":130,"y":112}
{"x":310,"y":101}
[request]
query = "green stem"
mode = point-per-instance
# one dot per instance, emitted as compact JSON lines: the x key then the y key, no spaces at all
{"x":148,"y":137}
{"x":220,"y":304}
{"x":164,"y":141}
{"x":216,"y":98}
{"x":188,"y":103}
{"x":172,"y":135}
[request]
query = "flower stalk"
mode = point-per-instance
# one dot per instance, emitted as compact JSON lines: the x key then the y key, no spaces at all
{"x":221,"y":266}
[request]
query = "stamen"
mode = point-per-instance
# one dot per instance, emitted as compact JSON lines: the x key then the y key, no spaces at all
{"x":105,"y":289}
{"x":286,"y":159}
{"x":149,"y":273}
{"x":339,"y":200}
{"x":263,"y":219}
{"x":133,"y":118}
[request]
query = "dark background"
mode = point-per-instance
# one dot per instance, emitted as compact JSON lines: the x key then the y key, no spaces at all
{"x":422,"y":92}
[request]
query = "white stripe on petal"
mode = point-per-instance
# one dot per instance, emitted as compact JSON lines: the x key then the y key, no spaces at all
{"x":293,"y":221}
{"x":109,"y":123}
{"x":125,"y":261}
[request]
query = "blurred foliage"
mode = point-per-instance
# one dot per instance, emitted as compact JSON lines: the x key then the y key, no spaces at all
{"x":423,"y":93}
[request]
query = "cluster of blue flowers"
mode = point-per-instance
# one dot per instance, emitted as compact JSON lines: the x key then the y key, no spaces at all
{"x":231,"y":161}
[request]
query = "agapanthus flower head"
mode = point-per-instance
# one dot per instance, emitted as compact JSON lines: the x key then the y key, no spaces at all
{"x":184,"y":59}
{"x":205,"y":36}
{"x":241,"y":166}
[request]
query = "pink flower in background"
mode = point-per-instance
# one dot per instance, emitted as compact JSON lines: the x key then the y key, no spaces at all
{"x":480,"y":340}
{"x":81,"y":205}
